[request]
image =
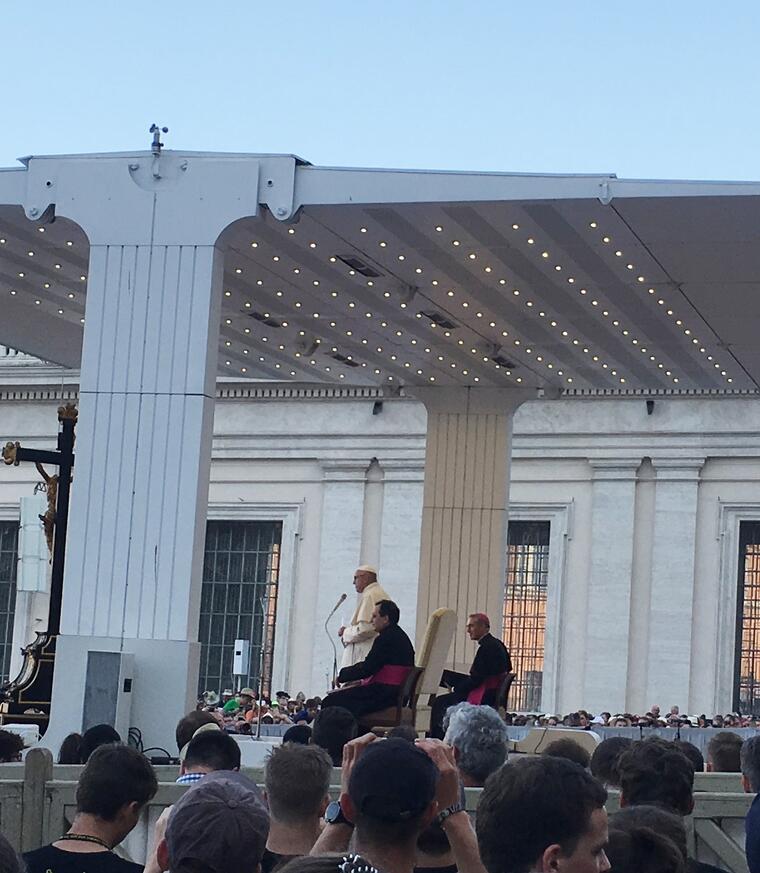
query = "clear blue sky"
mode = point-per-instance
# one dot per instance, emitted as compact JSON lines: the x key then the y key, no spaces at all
{"x":643,"y":89}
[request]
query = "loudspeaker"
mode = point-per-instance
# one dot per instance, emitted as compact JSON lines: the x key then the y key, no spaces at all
{"x":108,"y":691}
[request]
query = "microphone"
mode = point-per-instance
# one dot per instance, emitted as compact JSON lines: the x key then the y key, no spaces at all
{"x":337,"y":606}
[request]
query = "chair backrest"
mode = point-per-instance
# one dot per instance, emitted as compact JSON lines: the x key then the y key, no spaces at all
{"x":435,"y":649}
{"x":503,"y":693}
{"x":408,"y":692}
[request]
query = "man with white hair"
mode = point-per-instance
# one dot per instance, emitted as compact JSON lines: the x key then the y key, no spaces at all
{"x":479,"y":739}
{"x":359,"y":634}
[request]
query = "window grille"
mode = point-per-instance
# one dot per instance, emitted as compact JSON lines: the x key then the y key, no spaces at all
{"x":238,"y":599}
{"x":747,"y":663}
{"x":525,"y":610}
{"x":8,"y":565}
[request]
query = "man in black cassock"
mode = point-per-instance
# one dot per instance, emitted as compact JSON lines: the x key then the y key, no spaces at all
{"x":391,"y":648}
{"x":491,"y":659}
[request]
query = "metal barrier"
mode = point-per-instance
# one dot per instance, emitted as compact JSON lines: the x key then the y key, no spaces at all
{"x":38,"y":801}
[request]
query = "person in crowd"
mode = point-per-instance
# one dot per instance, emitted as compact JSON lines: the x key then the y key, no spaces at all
{"x":208,"y":751}
{"x":71,"y":749}
{"x":750,"y":764}
{"x":655,"y":771}
{"x":114,"y":786}
{"x":693,"y":754}
{"x":724,"y":753}
{"x":307,"y":713}
{"x":490,"y":664}
{"x":390,"y":791}
{"x":542,"y":814}
{"x":357,"y":637}
{"x":403,"y":732}
{"x":297,"y":784}
{"x":189,"y":724}
{"x":332,"y":729}
{"x":385,"y":668}
{"x":635,"y":848}
{"x":479,"y":739}
{"x":298,"y":733}
{"x":657,"y":819}
{"x":568,"y":749}
{"x":99,"y":735}
{"x":219,"y":825}
{"x":604,"y":761}
{"x":11,"y":746}
{"x":331,"y":862}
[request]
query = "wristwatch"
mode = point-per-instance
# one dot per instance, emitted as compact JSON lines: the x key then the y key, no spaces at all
{"x":447,"y":813}
{"x":334,"y":814}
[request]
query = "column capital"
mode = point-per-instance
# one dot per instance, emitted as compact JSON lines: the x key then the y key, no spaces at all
{"x":175,"y":198}
{"x":677,"y":469}
{"x":614,"y":469}
{"x":472,"y":400}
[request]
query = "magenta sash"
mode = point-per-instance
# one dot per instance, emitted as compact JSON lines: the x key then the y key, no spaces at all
{"x":489,"y":684}
{"x":390,"y":674}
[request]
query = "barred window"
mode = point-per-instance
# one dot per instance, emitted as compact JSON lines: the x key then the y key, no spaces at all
{"x":238,"y":599}
{"x":747,"y":669}
{"x":525,"y":609}
{"x":8,"y":566}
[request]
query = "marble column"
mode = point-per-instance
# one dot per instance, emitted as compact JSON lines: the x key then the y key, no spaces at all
{"x":609,"y":591}
{"x":672,"y":588}
{"x":465,"y":505}
{"x":339,"y":555}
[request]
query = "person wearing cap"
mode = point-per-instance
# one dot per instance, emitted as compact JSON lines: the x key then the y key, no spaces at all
{"x":491,"y":663}
{"x":357,"y":637}
{"x":380,"y":674}
{"x":391,"y":790}
{"x":220,"y":824}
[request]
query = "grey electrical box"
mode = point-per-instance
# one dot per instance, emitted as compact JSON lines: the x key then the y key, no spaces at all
{"x":108,"y":691}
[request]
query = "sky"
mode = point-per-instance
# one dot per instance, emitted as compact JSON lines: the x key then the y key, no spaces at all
{"x":642,"y":89}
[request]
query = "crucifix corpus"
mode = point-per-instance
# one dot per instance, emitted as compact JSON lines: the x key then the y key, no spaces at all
{"x":28,"y":696}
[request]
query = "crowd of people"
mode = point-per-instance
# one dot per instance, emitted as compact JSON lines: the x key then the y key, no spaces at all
{"x":398,"y":803}
{"x":653,"y":718}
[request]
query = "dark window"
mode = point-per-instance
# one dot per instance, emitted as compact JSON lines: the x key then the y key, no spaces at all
{"x":747,"y":669}
{"x":238,"y":599}
{"x":8,"y":563}
{"x":525,"y":610}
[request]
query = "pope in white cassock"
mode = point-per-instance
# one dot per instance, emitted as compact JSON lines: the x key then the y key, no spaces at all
{"x":359,"y":635}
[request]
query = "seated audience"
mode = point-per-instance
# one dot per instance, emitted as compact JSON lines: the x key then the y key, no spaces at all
{"x":568,"y":749}
{"x":724,"y":753}
{"x":479,"y":739}
{"x":332,"y":729}
{"x":693,"y":754}
{"x":99,"y":735}
{"x":542,"y":814}
{"x":604,"y":761}
{"x":297,"y":783}
{"x":71,"y":749}
{"x":307,"y":713}
{"x":298,"y":733}
{"x":219,"y":825}
{"x":112,"y":790}
{"x":383,"y":670}
{"x":11,"y":746}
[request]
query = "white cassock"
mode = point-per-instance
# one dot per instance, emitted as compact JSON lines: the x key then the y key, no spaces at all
{"x":359,"y":634}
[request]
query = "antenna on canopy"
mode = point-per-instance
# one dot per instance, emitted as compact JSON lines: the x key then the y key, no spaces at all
{"x":157,"y":145}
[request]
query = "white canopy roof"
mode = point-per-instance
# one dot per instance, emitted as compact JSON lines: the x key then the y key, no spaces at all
{"x":410,"y":278}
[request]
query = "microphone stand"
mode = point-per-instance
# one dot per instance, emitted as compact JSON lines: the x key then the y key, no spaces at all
{"x":332,"y":642}
{"x":262,"y":658}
